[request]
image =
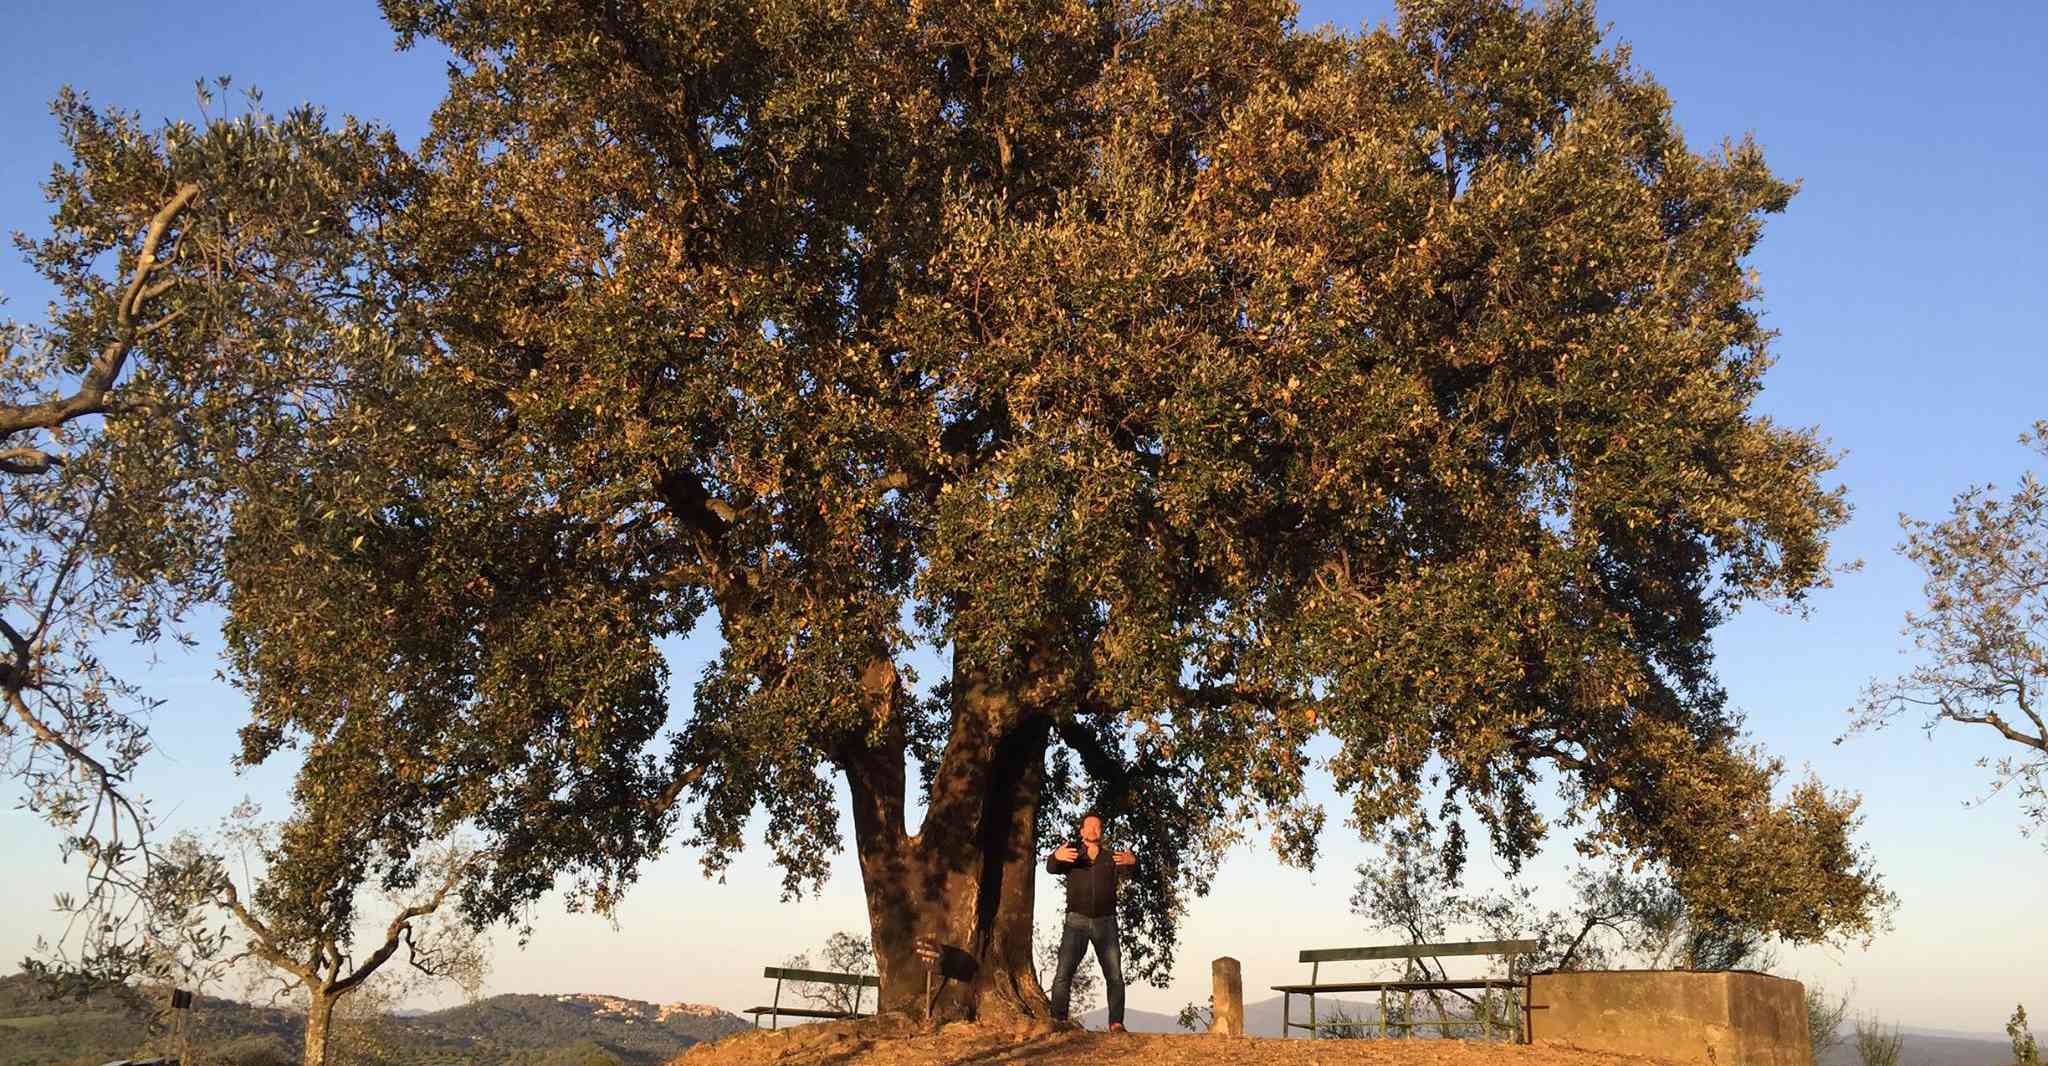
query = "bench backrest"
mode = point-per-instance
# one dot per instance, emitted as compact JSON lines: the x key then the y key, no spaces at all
{"x":1421,"y":951}
{"x":823,"y":977}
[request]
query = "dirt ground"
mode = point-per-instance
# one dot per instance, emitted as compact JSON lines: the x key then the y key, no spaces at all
{"x":880,"y":1042}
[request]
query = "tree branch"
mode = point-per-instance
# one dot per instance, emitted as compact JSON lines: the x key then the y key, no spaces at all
{"x":27,"y":461}
{"x":1995,"y":721}
{"x":400,"y":929}
{"x":264,"y":942}
{"x":91,"y":397}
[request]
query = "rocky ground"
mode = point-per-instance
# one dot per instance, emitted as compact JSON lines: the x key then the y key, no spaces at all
{"x":882,"y":1042}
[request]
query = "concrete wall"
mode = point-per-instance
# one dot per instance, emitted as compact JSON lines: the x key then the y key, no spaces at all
{"x":1734,"y":1018}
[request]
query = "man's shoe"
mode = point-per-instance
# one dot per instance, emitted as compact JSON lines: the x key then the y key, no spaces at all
{"x":1117,"y":1027}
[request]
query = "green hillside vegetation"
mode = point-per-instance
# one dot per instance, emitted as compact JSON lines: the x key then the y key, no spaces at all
{"x":506,"y":1030}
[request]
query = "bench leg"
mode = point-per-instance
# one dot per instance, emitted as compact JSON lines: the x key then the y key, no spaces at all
{"x":1315,"y":972}
{"x":778,"y":1004}
{"x":1286,"y":1015}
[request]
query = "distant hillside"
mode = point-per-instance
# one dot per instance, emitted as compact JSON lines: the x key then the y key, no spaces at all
{"x":1261,"y":1017}
{"x":1924,"y":1049}
{"x":35,"y":1031}
{"x":507,"y":1030}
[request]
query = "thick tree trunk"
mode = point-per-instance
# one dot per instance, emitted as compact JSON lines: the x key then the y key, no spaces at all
{"x":966,"y":880}
{"x":319,"y":1020}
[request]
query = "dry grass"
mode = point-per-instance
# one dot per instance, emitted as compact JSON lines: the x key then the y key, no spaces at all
{"x":884,"y":1042}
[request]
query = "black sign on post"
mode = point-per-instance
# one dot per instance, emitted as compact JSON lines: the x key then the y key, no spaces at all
{"x":181,"y":999}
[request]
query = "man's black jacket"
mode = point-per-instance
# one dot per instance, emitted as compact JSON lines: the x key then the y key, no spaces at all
{"x":1091,"y":885}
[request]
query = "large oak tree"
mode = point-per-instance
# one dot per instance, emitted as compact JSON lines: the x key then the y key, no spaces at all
{"x":1191,"y":386}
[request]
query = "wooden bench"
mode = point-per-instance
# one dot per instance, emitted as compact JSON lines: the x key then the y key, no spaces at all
{"x":777,"y":1011}
{"x":1510,"y":1022}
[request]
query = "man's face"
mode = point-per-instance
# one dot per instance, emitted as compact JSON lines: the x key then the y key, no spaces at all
{"x":1091,"y":830}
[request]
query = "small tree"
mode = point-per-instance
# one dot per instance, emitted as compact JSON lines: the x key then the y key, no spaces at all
{"x":844,"y":953}
{"x":1875,"y":1046}
{"x":1824,"y":1018}
{"x":289,"y":905}
{"x":1984,"y":633}
{"x":2024,"y":1049}
{"x":1615,"y":919}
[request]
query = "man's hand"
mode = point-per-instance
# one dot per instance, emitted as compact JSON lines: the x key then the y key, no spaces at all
{"x":1066,"y":853}
{"x":1125,"y":858}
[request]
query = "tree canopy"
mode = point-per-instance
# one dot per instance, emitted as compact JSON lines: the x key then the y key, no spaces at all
{"x":1191,"y":385}
{"x":191,"y":264}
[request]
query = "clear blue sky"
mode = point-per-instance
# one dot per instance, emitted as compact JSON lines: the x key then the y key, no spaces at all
{"x":1907,"y":280}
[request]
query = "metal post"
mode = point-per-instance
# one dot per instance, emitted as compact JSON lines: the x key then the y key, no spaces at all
{"x":776,"y":1014}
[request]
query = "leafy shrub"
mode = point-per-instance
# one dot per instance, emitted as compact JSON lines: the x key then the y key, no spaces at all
{"x":2024,"y":1050}
{"x":1875,"y":1046}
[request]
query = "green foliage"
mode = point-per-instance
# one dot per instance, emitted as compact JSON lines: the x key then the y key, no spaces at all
{"x":264,"y":1050}
{"x":581,"y":1053}
{"x":1617,"y":919}
{"x":1192,"y":385}
{"x":2024,"y":1050}
{"x":109,"y":1024}
{"x":201,"y":270}
{"x":1824,"y":1018}
{"x":1874,"y":1045}
{"x":1981,"y":634}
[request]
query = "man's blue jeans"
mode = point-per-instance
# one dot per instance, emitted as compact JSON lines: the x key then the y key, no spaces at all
{"x":1076,"y":933}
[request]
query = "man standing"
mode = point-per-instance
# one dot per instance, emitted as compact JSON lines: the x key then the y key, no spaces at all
{"x":1091,"y":916}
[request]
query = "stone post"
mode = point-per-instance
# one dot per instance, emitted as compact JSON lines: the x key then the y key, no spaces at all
{"x":1227,"y":1002}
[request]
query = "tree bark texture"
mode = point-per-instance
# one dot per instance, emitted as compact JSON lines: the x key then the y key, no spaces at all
{"x":319,"y":1020}
{"x":966,"y":880}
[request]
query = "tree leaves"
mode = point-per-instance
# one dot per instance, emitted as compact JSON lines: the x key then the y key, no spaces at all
{"x":1190,"y":385}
